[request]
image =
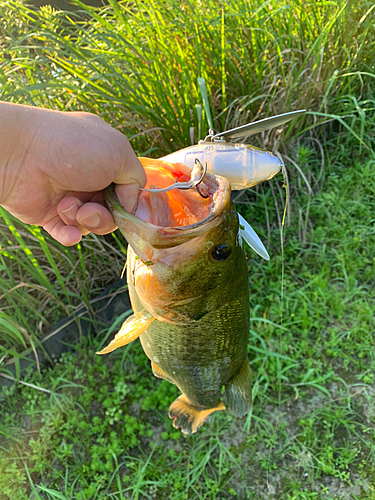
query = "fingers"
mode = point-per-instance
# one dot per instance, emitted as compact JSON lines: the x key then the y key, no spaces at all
{"x":128,"y":195}
{"x":75,"y":219}
{"x":66,"y":235}
{"x":129,"y":181}
{"x":96,"y":218}
{"x":88,"y":217}
{"x":68,"y":209}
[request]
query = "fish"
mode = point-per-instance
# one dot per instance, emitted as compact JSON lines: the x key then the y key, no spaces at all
{"x":187,"y":278}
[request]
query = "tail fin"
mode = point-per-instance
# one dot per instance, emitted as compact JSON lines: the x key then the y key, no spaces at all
{"x":238,"y":391}
{"x":188,"y":417}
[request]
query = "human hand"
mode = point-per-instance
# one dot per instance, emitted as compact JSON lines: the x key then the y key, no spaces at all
{"x":56,"y":168}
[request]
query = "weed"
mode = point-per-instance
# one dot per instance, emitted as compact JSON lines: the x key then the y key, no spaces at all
{"x":102,"y":430}
{"x":97,"y":428}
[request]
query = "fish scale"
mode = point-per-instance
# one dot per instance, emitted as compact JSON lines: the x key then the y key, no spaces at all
{"x":186,"y":352}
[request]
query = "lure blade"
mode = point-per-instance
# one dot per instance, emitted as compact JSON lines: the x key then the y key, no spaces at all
{"x":259,"y":126}
{"x":252,"y":239}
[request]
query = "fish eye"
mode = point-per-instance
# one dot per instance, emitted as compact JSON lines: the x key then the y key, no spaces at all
{"x":221,"y":252}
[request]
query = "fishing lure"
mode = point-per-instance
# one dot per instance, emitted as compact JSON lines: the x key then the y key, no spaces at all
{"x":243,"y":165}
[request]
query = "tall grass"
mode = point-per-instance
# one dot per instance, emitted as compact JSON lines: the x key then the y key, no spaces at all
{"x":137,"y":65}
{"x":42,"y":281}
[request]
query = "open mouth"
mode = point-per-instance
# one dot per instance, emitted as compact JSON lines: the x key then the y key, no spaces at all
{"x":172,"y":217}
{"x":176,"y":207}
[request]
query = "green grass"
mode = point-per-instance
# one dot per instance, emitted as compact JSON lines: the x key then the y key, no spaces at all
{"x":311,"y":431}
{"x":97,"y":428}
{"x":41,"y":281}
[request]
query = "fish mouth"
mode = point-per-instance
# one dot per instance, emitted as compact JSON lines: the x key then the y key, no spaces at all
{"x":167,"y":219}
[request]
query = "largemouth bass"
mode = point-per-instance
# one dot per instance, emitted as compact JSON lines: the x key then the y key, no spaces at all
{"x":188,"y":284}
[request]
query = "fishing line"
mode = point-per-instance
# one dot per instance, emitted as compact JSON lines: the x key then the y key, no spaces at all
{"x":123,"y":269}
{"x":286,"y":187}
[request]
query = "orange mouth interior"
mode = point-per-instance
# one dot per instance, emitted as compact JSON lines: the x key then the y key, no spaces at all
{"x":173,"y":208}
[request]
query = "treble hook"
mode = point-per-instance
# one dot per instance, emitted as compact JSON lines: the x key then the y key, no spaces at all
{"x":197,"y":176}
{"x":201,"y":179}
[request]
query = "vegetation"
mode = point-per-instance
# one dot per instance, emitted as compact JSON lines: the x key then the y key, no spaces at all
{"x":97,"y":427}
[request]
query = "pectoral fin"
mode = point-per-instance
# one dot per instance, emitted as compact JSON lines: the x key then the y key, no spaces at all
{"x":131,"y":329}
{"x":238,"y":391}
{"x":159,"y":373}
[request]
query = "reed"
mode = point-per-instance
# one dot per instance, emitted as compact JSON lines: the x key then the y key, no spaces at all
{"x":137,"y":64}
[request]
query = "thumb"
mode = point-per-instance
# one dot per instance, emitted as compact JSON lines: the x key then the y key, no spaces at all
{"x":128,"y":182}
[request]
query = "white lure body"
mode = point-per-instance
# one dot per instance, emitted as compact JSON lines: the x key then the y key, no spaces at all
{"x":243,"y":165}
